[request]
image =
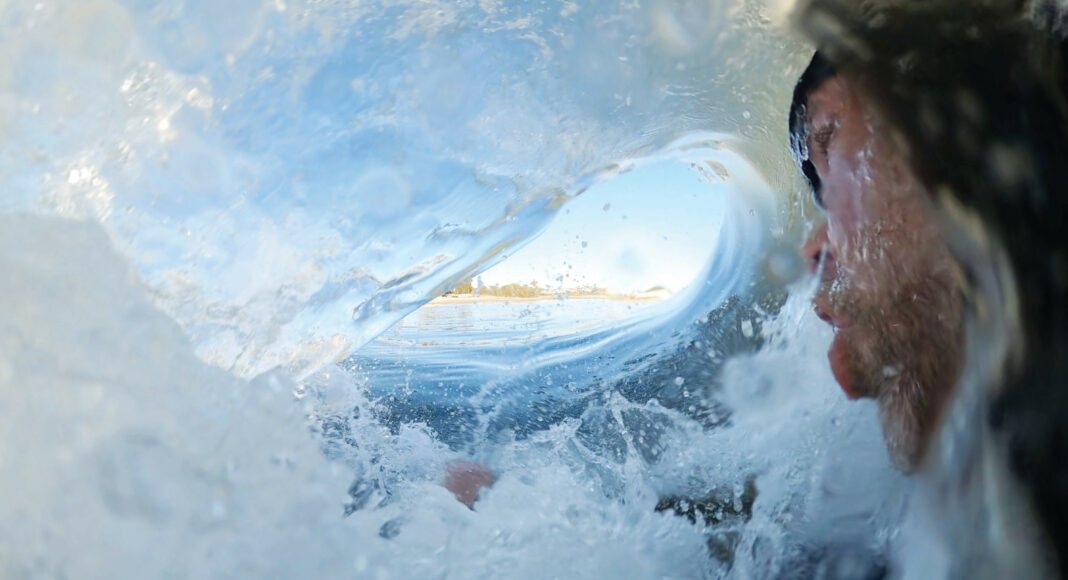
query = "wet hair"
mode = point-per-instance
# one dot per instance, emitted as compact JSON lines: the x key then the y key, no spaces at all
{"x":819,"y":70}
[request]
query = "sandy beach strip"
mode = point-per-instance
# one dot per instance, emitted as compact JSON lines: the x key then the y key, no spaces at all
{"x":474,"y":299}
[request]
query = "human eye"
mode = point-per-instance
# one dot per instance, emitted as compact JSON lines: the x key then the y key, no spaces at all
{"x":821,"y":137}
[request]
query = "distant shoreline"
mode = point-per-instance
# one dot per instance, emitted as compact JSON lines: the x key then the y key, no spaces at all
{"x":472,"y":298}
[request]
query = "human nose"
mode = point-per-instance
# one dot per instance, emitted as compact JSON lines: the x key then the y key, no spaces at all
{"x":816,"y":248}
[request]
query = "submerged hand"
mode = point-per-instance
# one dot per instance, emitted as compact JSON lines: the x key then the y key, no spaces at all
{"x":465,"y":479}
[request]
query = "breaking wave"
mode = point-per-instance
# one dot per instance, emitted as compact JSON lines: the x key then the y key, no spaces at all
{"x":217,"y":213}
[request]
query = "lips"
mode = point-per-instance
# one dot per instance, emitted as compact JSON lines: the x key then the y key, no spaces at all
{"x":839,"y":360}
{"x":837,"y":355}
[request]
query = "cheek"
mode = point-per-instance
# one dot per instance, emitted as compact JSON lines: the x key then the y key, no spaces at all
{"x":848,"y":207}
{"x":866,"y":231}
{"x":850,"y":236}
{"x":868,"y":260}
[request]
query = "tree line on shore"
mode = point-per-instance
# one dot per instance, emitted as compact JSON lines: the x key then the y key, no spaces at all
{"x":513,"y":290}
{"x":531,"y":290}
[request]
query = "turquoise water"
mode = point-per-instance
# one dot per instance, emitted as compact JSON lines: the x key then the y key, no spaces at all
{"x":471,"y":370}
{"x":492,"y":323}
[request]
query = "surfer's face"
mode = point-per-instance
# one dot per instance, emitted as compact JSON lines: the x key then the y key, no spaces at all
{"x":888,"y":284}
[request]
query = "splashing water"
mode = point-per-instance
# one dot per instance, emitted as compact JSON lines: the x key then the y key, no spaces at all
{"x":282,"y":174}
{"x":199,"y":193}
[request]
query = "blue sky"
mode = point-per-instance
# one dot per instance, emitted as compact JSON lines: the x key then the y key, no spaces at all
{"x":655,"y":225}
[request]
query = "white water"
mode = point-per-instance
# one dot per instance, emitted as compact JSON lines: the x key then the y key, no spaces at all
{"x":198,"y":193}
{"x":282,"y":174}
{"x":135,"y":459}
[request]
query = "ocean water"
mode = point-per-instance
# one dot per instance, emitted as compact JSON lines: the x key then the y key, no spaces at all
{"x":218,"y":226}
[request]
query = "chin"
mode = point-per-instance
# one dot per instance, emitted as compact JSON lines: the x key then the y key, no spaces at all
{"x":910,"y":364}
{"x":905,"y":442}
{"x":911,"y":409}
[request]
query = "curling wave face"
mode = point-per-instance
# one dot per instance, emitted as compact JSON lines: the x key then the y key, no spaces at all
{"x":290,"y":178}
{"x":201,"y":193}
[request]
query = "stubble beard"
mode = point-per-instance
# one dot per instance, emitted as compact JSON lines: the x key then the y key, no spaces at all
{"x":908,"y":348}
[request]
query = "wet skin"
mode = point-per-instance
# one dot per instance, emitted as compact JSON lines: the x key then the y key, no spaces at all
{"x":888,"y":284}
{"x":466,"y":480}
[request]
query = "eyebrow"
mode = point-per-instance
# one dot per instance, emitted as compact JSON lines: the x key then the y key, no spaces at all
{"x":822,"y":136}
